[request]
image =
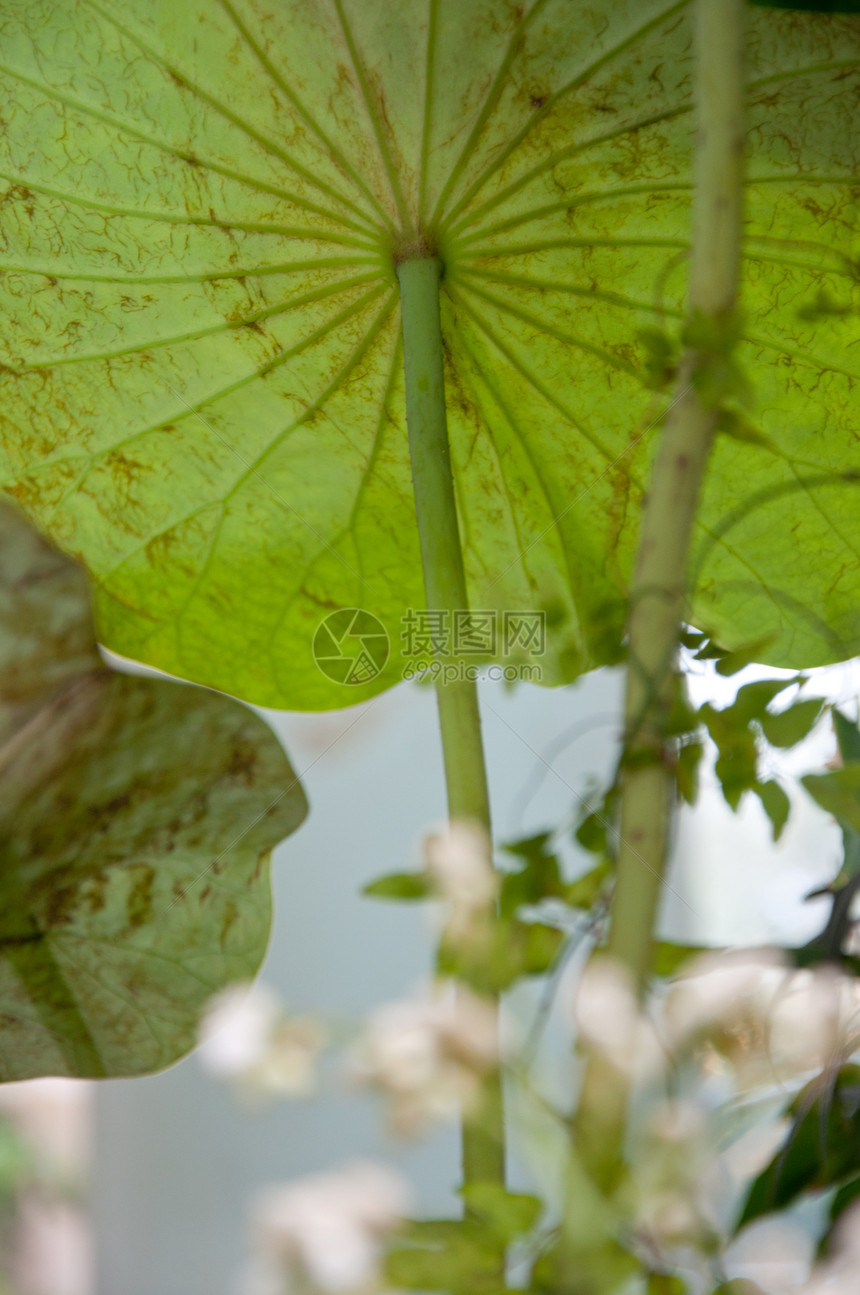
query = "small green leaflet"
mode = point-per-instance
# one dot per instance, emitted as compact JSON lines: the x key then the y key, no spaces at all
{"x":838,"y":793}
{"x":202,"y":390}
{"x":136,"y":820}
{"x":775,"y":803}
{"x":735,"y":732}
{"x":400,"y":886}
{"x":788,"y":727}
{"x":820,"y":1150}
{"x":464,"y":1254}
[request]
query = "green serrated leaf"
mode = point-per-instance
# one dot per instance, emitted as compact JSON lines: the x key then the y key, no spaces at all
{"x":731,"y":663}
{"x":753,"y":699}
{"x":541,"y":876}
{"x":737,"y":762}
{"x":847,"y":737}
{"x":401,"y":886}
{"x":532,"y":849}
{"x":203,"y":207}
{"x":506,"y":1214}
{"x":838,"y":793}
{"x":519,"y":949}
{"x":515,"y":950}
{"x":136,"y":816}
{"x":538,"y":878}
{"x":794,"y":724}
{"x":587,"y":889}
{"x":687,"y":770}
{"x":775,"y":803}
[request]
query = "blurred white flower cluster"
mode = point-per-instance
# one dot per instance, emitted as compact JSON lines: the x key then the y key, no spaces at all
{"x":733,"y":1027}
{"x":766,"y":1022}
{"x":428,"y":1054}
{"x":325,"y":1233}
{"x":246,"y":1037}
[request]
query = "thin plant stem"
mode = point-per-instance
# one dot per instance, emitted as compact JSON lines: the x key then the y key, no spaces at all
{"x":658,"y":601}
{"x":445,"y":587}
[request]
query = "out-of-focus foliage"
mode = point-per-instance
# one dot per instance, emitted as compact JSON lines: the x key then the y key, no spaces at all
{"x":136,"y":818}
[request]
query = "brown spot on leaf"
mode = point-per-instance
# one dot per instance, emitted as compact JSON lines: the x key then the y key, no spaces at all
{"x":139,"y":908}
{"x":243,"y":763}
{"x":230,"y":915}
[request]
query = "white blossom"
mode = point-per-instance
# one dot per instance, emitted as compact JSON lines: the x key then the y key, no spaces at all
{"x":815,"y":1021}
{"x":670,"y":1172}
{"x":245,"y":1036}
{"x":771,"y":1021}
{"x":722,"y":989}
{"x":774,"y":1253}
{"x":610,"y":1020}
{"x":459,"y":862}
{"x":326,"y":1230}
{"x":428,"y":1054}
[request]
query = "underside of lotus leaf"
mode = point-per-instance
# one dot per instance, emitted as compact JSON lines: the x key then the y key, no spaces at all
{"x":204,"y":207}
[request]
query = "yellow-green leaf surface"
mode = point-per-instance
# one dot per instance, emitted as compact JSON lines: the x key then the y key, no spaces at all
{"x":203,"y":395}
{"x":136,"y":817}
